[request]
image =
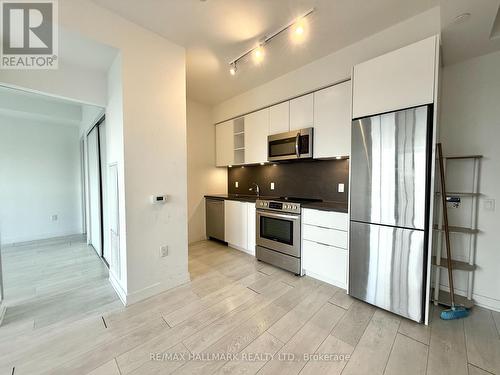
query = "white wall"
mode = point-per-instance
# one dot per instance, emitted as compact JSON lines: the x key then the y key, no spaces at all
{"x":203,"y":177}
{"x":148,"y":81}
{"x":40,"y":177}
{"x":331,"y":68}
{"x":470,"y":124}
{"x":146,"y":109}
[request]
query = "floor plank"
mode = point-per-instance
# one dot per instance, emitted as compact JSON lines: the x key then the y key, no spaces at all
{"x":336,"y":354}
{"x":251,"y":313}
{"x":416,"y":331}
{"x":342,"y":299}
{"x":109,"y":368}
{"x":483,"y":344}
{"x":447,"y":352}
{"x":353,"y":324}
{"x":372,"y":352}
{"x":473,"y":370}
{"x":253,"y":357}
{"x":307,"y":341}
{"x":407,"y":357}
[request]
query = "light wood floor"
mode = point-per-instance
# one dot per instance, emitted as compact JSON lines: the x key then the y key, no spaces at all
{"x":51,"y":281}
{"x":239,"y":316}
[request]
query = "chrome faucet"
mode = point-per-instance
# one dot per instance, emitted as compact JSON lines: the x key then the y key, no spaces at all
{"x":257,"y":188}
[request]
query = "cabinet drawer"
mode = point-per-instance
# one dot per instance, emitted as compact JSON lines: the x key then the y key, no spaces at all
{"x":332,"y":237}
{"x":326,"y":219}
{"x":325,"y":263}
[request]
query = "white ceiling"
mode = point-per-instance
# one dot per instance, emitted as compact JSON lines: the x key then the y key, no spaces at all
{"x":216,"y":31}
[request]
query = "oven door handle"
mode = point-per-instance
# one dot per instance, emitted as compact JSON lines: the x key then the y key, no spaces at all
{"x":281,"y":216}
{"x":297,"y":140}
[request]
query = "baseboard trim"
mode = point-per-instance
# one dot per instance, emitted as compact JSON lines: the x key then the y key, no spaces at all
{"x":479,"y":300}
{"x":326,"y":280}
{"x":118,"y":288}
{"x":43,"y":240}
{"x":241,"y":249}
{"x":3,"y":309}
{"x":158,"y":288}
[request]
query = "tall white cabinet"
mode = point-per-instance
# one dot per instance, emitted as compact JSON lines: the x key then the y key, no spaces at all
{"x":224,"y":144}
{"x":302,"y":112}
{"x":332,"y":121}
{"x":400,"y":79}
{"x":256,"y":132}
{"x":279,"y":118}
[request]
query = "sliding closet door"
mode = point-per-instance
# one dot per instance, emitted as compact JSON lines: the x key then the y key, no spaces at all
{"x":104,"y":190}
{"x":95,"y":204}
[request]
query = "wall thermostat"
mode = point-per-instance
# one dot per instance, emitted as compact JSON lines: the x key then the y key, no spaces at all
{"x":156,"y":199}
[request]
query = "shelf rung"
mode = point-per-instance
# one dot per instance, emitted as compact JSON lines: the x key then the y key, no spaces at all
{"x":455,"y":264}
{"x":455,"y":229}
{"x":460,"y":194}
{"x":444,"y":299}
{"x":464,"y":157}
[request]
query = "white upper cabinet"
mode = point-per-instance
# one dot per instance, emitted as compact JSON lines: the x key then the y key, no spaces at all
{"x":400,"y":79}
{"x":224,"y":144}
{"x":256,"y":132}
{"x":279,"y":118}
{"x":302,"y":112}
{"x":332,"y":121}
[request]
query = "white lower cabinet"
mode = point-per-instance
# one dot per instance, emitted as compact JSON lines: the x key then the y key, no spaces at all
{"x":324,"y":246}
{"x":251,"y":228}
{"x":235,"y":224}
{"x":326,"y":263}
{"x":239,"y":225}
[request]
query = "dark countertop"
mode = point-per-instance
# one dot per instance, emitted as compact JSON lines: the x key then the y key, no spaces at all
{"x":327,"y":206}
{"x":237,"y":197}
{"x":323,"y":206}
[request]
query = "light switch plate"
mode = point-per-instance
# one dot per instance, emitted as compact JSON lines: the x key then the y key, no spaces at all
{"x":236,"y":184}
{"x":163,"y":251}
{"x":341,"y":188}
{"x":272,"y":185}
{"x":489,"y":205}
{"x":54,"y":218}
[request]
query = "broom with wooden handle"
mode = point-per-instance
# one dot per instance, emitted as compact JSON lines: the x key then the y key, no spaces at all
{"x":455,"y":312}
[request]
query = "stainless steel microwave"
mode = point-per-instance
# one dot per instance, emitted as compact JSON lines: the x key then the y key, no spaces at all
{"x":297,"y":144}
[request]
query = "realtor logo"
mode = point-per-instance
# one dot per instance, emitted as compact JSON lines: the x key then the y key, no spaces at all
{"x":29,"y":34}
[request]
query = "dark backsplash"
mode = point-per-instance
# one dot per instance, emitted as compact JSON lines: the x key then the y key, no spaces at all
{"x":304,"y":179}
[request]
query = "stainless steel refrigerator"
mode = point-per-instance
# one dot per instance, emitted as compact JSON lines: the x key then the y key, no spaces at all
{"x":390,"y":187}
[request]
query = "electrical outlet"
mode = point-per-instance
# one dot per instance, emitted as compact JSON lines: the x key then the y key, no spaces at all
{"x":163,"y":251}
{"x":489,"y":205}
{"x":236,"y":184}
{"x":272,"y":185}
{"x":341,"y":188}
{"x":54,"y":218}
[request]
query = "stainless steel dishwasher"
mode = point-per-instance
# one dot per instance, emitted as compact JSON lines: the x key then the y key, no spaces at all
{"x":214,"y":209}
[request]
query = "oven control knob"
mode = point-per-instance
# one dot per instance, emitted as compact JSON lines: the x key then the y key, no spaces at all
{"x":294,"y":207}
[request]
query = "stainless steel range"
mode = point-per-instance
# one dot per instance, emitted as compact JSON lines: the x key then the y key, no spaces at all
{"x":279,"y":233}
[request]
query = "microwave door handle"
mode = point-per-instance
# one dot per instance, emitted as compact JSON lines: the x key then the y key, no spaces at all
{"x":297,"y":140}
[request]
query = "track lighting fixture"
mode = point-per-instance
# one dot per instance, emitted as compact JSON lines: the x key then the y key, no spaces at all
{"x":297,"y":27}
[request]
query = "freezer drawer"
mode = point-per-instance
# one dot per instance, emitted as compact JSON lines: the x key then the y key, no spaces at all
{"x":389,"y":168}
{"x":386,"y":268}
